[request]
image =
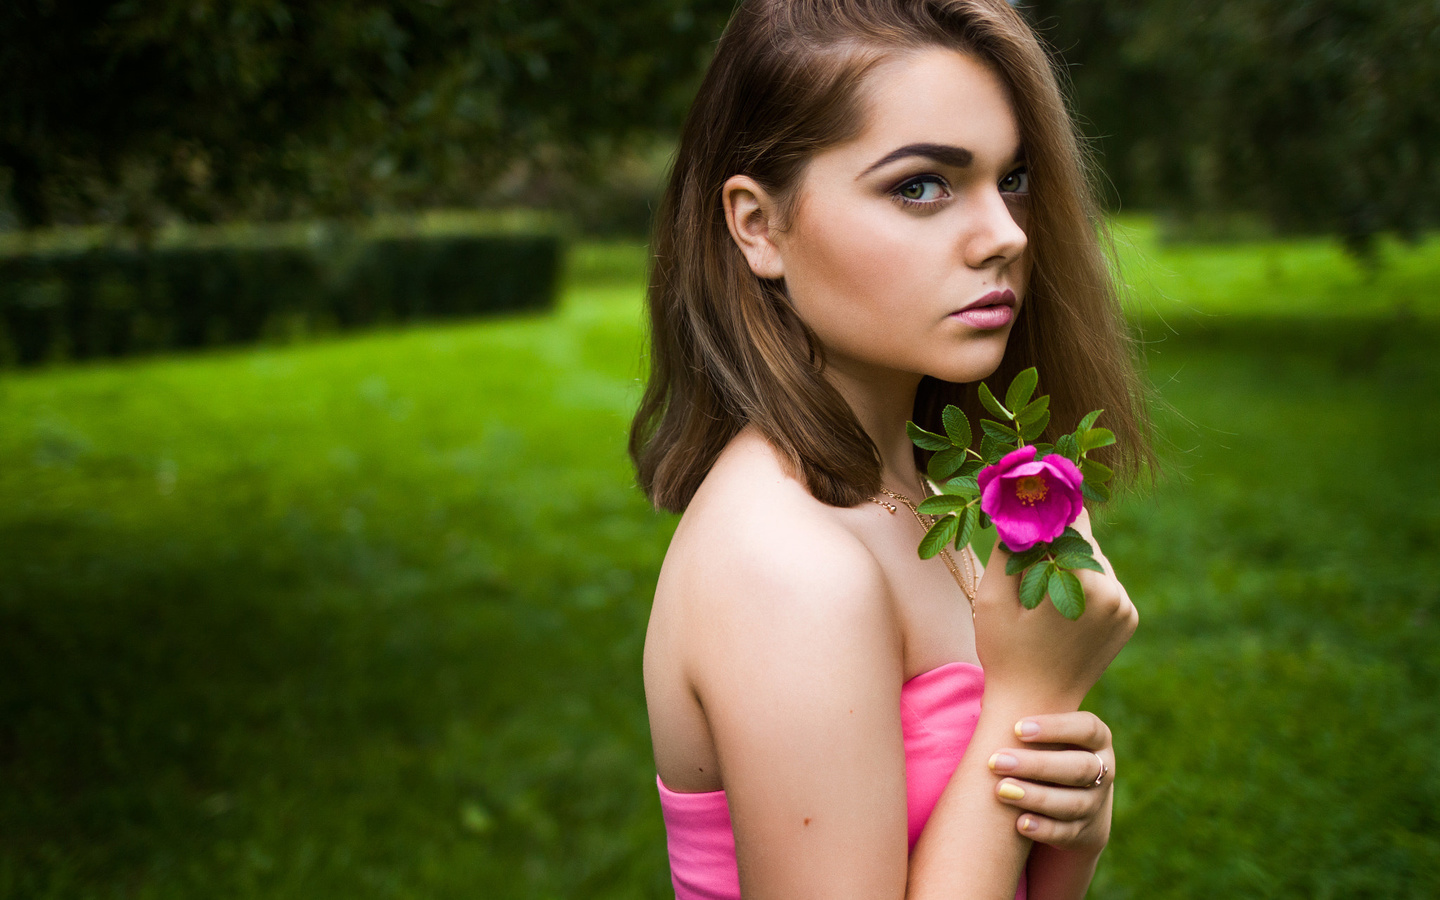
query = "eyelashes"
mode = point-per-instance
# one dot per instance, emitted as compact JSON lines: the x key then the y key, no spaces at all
{"x":915,"y":192}
{"x":930,"y":190}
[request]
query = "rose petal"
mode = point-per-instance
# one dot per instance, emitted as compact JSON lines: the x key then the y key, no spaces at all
{"x":1024,"y":469}
{"x":1017,"y":523}
{"x":1065,"y":469}
{"x":1008,"y":461}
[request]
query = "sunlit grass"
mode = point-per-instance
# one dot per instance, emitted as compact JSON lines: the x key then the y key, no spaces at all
{"x":363,"y":617}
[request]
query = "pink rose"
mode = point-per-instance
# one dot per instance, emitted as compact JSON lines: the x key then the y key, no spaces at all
{"x":1031,"y":501}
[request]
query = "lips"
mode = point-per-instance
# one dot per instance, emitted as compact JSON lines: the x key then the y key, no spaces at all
{"x":994,"y":310}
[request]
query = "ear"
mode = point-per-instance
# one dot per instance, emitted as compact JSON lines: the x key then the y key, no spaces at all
{"x":750,"y":213}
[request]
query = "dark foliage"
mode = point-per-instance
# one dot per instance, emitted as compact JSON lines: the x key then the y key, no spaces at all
{"x":1312,"y":115}
{"x":108,"y":300}
{"x":140,"y":111}
{"x":1319,"y":115}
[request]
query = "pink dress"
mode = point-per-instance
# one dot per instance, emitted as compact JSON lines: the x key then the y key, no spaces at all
{"x":938,"y":712}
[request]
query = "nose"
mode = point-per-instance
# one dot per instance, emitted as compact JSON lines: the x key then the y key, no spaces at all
{"x":995,"y":236}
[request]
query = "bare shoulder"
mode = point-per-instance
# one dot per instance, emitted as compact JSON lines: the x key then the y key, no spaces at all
{"x":757,"y":562}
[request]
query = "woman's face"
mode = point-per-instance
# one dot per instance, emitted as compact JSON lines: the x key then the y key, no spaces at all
{"x":906,"y":251}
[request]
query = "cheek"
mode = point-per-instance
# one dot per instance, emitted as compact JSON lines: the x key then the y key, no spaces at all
{"x":846,"y":261}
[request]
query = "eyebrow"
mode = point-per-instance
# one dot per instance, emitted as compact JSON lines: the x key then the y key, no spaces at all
{"x":945,"y":154}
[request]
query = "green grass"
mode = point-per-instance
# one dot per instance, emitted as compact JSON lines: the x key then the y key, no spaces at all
{"x":363,"y":617}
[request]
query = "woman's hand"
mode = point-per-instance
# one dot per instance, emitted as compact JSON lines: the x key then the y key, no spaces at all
{"x":1055,"y":786}
{"x":1037,"y":658}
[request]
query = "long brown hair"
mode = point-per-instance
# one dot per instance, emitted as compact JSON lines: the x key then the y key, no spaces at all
{"x":726,"y":347}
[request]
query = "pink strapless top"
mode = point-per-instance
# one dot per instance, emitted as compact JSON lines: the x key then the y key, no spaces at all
{"x":938,"y":712}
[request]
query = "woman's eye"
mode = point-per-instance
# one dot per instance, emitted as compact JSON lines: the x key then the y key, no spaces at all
{"x":1017,"y":182}
{"x":922,"y":190}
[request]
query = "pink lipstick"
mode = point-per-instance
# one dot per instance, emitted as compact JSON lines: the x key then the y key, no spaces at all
{"x":994,"y":310}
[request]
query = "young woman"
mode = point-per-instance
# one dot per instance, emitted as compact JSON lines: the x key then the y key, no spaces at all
{"x":875,"y":204}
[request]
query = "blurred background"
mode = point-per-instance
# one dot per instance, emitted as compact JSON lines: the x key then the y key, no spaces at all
{"x":322,"y":568}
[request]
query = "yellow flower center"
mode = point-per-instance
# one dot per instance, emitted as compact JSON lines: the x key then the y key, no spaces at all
{"x":1031,"y":489}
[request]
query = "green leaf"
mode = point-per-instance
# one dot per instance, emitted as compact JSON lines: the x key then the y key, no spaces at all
{"x":1077,"y":561}
{"x":939,"y":506}
{"x":1031,"y":430}
{"x":1066,"y":594}
{"x":1096,"y":437}
{"x":926,"y":439}
{"x":1071,"y":531}
{"x":1066,"y":543}
{"x":940,"y":534}
{"x":1088,"y":422}
{"x":943,"y":464}
{"x":984,"y":520}
{"x":1095,"y":472}
{"x":1095,"y":493}
{"x":962,"y":485}
{"x":1032,"y":412}
{"x":972,"y":467}
{"x":1066,"y":446}
{"x":1022,"y":388}
{"x":992,"y":450}
{"x":1032,"y":586}
{"x":967,"y":528}
{"x":957,"y":425}
{"x":990,"y":403}
{"x":1002,"y":433}
{"x":1019,"y":562}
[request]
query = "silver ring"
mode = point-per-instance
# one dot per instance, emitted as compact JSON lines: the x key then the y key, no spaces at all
{"x":1100,"y":779}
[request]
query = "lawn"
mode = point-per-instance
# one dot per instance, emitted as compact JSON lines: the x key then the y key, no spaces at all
{"x":363,"y":617}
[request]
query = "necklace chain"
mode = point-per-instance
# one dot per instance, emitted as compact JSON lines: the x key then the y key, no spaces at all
{"x":967,"y":583}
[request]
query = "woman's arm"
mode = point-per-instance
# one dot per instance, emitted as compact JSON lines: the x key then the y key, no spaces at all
{"x":1038,"y":667}
{"x":1063,"y":810}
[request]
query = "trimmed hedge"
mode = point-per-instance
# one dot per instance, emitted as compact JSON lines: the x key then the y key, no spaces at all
{"x":73,"y":295}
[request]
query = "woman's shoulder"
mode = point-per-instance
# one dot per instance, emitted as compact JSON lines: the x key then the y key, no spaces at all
{"x":754,"y":519}
{"x":755,"y":552}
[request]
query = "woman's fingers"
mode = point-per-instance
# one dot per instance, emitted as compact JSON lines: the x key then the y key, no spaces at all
{"x":1082,"y":729}
{"x":1062,"y":804}
{"x":1043,"y":830}
{"x":1072,"y":768}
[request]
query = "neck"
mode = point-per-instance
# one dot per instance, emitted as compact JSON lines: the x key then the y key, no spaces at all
{"x":883,"y":403}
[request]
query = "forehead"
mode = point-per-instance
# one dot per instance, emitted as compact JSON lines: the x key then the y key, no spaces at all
{"x":935,"y":96}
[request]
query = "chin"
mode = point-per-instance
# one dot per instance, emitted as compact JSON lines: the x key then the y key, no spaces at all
{"x":978,"y":362}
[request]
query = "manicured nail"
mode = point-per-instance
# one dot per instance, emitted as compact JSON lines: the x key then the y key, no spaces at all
{"x":1012,"y":791}
{"x":1003,"y":762}
{"x":1026,"y":728}
{"x":1027,"y":823}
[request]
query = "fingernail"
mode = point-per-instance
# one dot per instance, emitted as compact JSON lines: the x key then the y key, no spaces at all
{"x":1027,"y":823}
{"x":1027,"y":728}
{"x":1003,"y":762}
{"x":1012,"y":791}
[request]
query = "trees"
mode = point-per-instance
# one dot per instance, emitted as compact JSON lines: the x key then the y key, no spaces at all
{"x":1316,"y":114}
{"x":207,"y":109}
{"x":1320,"y":115}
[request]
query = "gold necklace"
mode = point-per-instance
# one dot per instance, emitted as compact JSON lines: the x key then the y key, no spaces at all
{"x":968,"y":584}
